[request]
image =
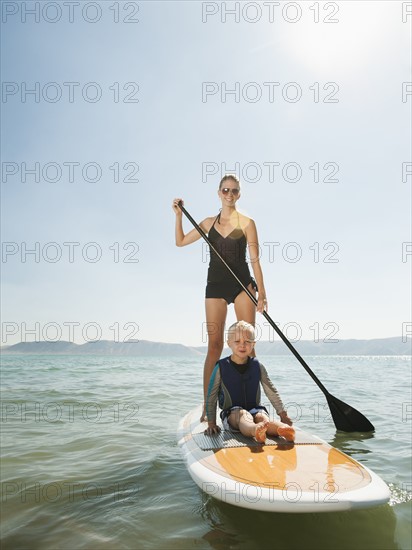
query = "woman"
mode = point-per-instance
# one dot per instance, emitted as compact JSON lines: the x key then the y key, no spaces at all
{"x":229,"y":232}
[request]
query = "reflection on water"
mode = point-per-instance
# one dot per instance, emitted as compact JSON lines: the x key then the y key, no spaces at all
{"x":244,"y":529}
{"x":351,"y":443}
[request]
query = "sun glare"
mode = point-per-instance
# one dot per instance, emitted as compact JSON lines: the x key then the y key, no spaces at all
{"x":363,"y":28}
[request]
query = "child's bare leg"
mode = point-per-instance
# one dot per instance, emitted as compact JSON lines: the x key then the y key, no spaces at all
{"x":242,"y":420}
{"x":275,"y":427}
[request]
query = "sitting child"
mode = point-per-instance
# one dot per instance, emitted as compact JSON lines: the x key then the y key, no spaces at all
{"x":236,"y":381}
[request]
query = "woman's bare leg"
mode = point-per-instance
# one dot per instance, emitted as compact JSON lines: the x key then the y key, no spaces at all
{"x":216,"y":311}
{"x":245,"y":309}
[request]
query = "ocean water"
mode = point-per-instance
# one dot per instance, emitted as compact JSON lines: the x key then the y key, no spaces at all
{"x":90,"y":457}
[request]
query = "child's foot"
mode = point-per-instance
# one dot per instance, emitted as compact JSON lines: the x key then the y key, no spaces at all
{"x":260,"y":433}
{"x":288,"y":432}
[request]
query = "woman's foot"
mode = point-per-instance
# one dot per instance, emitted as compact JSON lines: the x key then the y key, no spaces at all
{"x":288,"y":432}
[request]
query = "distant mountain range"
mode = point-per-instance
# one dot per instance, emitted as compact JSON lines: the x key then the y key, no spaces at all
{"x":380,"y":346}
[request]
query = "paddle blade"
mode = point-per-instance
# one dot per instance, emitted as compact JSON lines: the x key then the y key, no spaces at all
{"x":346,"y":418}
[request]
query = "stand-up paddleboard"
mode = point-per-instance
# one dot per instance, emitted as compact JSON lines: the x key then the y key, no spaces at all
{"x":308,"y":475}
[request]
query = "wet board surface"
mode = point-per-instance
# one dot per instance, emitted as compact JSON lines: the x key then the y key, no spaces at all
{"x":307,"y":476}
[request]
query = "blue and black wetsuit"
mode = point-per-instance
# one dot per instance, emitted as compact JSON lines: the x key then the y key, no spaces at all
{"x":235,"y":385}
{"x":220,"y":282}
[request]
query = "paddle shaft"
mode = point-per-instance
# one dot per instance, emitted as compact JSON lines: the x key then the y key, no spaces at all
{"x":264,"y":313}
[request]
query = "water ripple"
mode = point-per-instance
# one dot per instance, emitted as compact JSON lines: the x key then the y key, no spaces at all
{"x":90,"y":458}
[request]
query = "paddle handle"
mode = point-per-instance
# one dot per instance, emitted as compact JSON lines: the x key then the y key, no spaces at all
{"x":264,"y":313}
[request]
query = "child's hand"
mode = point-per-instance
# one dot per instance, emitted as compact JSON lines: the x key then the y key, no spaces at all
{"x":284,"y":418}
{"x":212,"y":429}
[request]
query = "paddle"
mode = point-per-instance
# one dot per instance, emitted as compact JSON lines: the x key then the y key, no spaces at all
{"x":345,"y":417}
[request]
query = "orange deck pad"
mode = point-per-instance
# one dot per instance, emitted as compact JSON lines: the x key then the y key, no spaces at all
{"x":311,"y":467}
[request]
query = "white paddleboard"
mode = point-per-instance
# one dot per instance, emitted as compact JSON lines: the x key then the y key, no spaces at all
{"x":306,"y":476}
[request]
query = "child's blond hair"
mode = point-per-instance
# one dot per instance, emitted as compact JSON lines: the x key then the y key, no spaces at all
{"x":243,"y":326}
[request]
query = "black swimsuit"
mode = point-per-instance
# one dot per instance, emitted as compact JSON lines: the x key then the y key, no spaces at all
{"x":220,"y":282}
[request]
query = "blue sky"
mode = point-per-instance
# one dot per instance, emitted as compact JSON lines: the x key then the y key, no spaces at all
{"x":173,"y":137}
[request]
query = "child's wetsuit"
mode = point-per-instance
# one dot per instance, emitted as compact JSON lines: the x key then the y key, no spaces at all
{"x":237,"y":385}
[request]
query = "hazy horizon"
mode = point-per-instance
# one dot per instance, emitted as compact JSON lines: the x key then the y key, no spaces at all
{"x":277,"y":340}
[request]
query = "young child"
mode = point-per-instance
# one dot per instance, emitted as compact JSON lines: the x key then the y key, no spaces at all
{"x":235,"y":382}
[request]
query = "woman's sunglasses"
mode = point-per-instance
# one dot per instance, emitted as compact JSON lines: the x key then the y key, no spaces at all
{"x":227,"y":190}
